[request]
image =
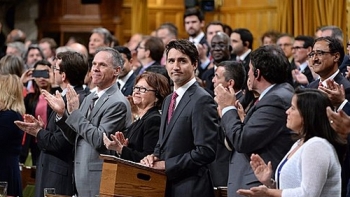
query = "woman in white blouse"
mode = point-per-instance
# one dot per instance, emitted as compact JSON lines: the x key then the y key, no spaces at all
{"x":312,"y":166}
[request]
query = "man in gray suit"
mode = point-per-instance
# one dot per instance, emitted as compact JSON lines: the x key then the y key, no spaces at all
{"x":188,"y":130}
{"x":264,"y":129}
{"x":84,"y":126}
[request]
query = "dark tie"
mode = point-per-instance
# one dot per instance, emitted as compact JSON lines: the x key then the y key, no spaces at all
{"x":172,"y":106}
{"x":118,"y":84}
{"x":92,"y":105}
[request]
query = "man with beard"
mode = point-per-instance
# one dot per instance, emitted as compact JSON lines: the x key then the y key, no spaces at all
{"x":194,"y":22}
{"x":220,"y":50}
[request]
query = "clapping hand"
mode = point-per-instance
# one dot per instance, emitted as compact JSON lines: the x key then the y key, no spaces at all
{"x":55,"y":102}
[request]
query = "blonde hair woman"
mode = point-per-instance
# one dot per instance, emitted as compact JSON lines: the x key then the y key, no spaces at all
{"x":11,"y":109}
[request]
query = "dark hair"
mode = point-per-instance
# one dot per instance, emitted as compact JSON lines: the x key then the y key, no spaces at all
{"x":214,"y":23}
{"x":246,"y":36}
{"x":236,"y":71}
{"x":125,"y":50}
{"x":272,"y":63}
{"x":312,"y":104}
{"x":194,"y":11}
{"x":186,"y":47}
{"x":157,"y":82}
{"x":270,"y":34}
{"x":170,"y":27}
{"x":31,"y":47}
{"x":308,"y":40}
{"x":227,"y":29}
{"x":156,"y":47}
{"x":74,"y":65}
{"x":117,"y":59}
{"x":335,"y":46}
{"x":36,"y":88}
{"x":160,"y":70}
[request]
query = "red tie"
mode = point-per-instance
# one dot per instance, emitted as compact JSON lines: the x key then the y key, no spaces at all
{"x":172,"y":106}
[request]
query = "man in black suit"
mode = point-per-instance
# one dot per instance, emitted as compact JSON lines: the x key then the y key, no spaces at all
{"x":55,"y":163}
{"x":149,"y":53}
{"x":242,"y":44}
{"x":188,"y":130}
{"x":263,"y":130}
{"x":220,"y":51}
{"x":302,"y":46}
{"x":126,"y":78}
{"x":194,"y":22}
{"x":228,"y":74}
{"x":327,"y":53}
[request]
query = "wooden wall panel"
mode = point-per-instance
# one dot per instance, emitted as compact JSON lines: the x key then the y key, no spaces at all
{"x":257,"y":16}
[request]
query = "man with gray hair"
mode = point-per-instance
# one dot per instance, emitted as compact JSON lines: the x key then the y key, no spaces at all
{"x":104,"y":111}
{"x":15,"y":48}
{"x":336,"y":32}
{"x":100,"y":37}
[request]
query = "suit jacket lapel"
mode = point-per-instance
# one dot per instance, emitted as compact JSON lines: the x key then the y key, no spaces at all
{"x":103,"y":99}
{"x":186,"y":98}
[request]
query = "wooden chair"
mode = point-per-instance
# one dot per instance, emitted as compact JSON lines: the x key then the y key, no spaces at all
{"x":220,"y":191}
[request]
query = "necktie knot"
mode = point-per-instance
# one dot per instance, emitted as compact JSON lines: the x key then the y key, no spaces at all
{"x":172,"y":106}
{"x":92,"y":104}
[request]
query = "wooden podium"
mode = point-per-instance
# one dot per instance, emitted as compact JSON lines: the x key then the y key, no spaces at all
{"x":125,"y":178}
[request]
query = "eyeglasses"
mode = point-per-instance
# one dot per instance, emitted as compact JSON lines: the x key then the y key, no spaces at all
{"x":297,"y":48}
{"x":55,"y":68}
{"x":142,"y":89}
{"x":317,"y":53}
{"x":140,"y":47}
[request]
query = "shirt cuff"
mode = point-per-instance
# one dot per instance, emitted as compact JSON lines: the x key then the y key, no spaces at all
{"x":58,"y":118}
{"x":342,"y":105}
{"x":226,"y":109}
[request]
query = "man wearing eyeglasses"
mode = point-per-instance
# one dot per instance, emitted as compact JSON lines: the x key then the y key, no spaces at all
{"x":302,"y":46}
{"x":327,"y":53}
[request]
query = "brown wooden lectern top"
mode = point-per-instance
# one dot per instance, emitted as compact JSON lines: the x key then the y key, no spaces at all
{"x":125,"y":178}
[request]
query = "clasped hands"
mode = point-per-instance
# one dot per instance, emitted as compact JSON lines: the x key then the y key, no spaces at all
{"x":117,"y":143}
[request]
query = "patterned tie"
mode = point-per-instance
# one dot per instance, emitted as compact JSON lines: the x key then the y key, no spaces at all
{"x":91,"y":106}
{"x":172,"y":106}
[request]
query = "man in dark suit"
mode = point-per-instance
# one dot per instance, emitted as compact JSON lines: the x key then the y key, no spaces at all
{"x":302,"y":46}
{"x":127,"y":77}
{"x":220,"y":51}
{"x":194,"y":22}
{"x":229,"y":74}
{"x":188,"y":130}
{"x":263,"y":130}
{"x":149,"y":53}
{"x":326,"y":55}
{"x":104,"y":111}
{"x":242,"y":44}
{"x":55,"y":163}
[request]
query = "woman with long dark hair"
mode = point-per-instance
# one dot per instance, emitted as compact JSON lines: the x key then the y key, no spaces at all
{"x":312,"y":166}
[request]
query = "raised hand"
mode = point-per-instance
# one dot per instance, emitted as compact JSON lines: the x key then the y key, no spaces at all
{"x":262,"y":171}
{"x":55,"y":102}
{"x":72,"y":99}
{"x":30,"y":125}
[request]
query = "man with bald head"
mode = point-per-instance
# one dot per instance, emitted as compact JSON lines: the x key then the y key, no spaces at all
{"x":220,"y":49}
{"x":16,"y":35}
{"x":77,"y":47}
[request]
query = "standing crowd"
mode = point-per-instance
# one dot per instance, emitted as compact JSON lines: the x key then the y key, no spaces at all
{"x":208,"y":110}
